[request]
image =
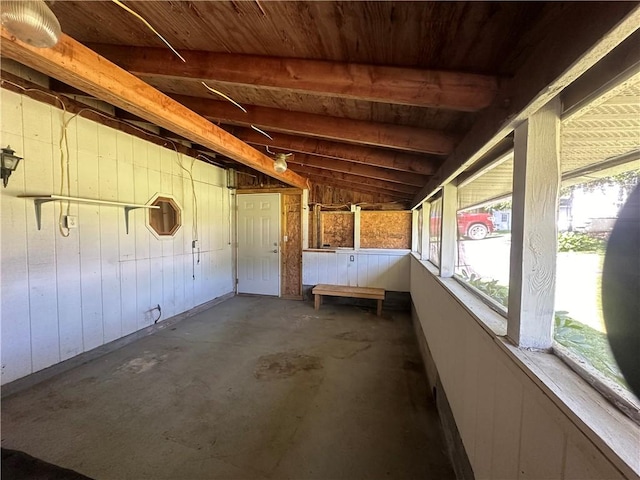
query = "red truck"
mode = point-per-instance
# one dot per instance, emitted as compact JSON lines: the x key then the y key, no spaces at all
{"x":474,"y":226}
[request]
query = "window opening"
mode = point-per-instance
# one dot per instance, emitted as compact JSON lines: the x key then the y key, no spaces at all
{"x":165,"y":221}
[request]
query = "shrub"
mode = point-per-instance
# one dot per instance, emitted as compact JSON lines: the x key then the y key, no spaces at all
{"x":586,"y":342}
{"x":579,"y":242}
{"x":492,"y":288}
{"x":589,"y":344}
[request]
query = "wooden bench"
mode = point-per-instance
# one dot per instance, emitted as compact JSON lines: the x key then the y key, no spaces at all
{"x":344,"y":291}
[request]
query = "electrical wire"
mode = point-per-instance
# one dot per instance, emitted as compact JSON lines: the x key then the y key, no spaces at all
{"x":141,"y":18}
{"x":64,"y":162}
{"x":226,"y":97}
{"x":135,"y":127}
{"x":262,"y":132}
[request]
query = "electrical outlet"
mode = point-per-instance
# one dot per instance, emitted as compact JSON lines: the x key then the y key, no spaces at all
{"x":71,"y":221}
{"x":352,"y":258}
{"x":194,"y":244}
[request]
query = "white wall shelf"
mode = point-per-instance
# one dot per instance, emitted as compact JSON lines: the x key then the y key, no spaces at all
{"x":38,"y":200}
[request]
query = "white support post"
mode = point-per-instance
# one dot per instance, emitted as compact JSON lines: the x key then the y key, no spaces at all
{"x":415,"y":219}
{"x":356,"y":227}
{"x":426,"y":221}
{"x":305,"y":219}
{"x":536,"y":182}
{"x":449,"y":237}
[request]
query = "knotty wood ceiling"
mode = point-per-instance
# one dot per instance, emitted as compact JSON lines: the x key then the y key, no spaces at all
{"x":340,"y":136}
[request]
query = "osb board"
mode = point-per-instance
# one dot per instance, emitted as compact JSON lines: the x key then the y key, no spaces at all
{"x":337,"y":229}
{"x":292,"y":251}
{"x":385,"y":229}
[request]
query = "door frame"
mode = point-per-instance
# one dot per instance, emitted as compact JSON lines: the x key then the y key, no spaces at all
{"x":279,"y":229}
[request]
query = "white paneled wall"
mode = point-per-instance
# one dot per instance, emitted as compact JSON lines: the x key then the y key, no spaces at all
{"x":64,"y":296}
{"x":509,"y":427}
{"x":388,"y":269}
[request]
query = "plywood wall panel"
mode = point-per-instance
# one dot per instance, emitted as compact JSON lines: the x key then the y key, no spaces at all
{"x":111,"y":220}
{"x":168,"y":293}
{"x":385,"y":229}
{"x":388,"y":270}
{"x":292,"y":251}
{"x":36,"y":121}
{"x":584,"y":461}
{"x":337,"y":229}
{"x":126,"y":241}
{"x":519,"y":432}
{"x":484,"y":399}
{"x":43,"y":303}
{"x":128,"y":297}
{"x":16,"y":341}
{"x":507,"y":425}
{"x":71,"y":294}
{"x":43,"y":312}
{"x":542,"y":451}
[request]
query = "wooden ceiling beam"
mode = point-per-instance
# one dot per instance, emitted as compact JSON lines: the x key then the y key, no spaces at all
{"x":405,"y":86}
{"x":576,"y":43}
{"x":406,"y":162}
{"x":76,"y":65}
{"x":355,"y":179}
{"x":367,"y":171}
{"x":376,"y":134}
{"x":358,"y":188}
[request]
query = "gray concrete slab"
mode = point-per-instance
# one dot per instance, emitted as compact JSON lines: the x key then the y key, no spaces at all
{"x":252,"y":388}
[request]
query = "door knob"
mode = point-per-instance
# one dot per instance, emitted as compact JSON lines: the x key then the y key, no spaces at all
{"x":275,"y":251}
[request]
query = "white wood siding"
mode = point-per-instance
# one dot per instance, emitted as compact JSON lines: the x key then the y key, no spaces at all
{"x":64,"y":296}
{"x":509,"y":427}
{"x":388,"y":269}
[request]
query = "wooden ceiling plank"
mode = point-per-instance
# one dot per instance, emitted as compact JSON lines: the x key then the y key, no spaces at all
{"x":578,"y":43}
{"x":355,"y":179}
{"x":405,"y":86}
{"x":375,"y":134}
{"x":76,"y":65}
{"x":368,"y":171}
{"x":406,"y":162}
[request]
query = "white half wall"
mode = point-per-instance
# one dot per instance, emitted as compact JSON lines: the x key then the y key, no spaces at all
{"x":510,"y":427}
{"x":388,"y":269}
{"x":64,"y":296}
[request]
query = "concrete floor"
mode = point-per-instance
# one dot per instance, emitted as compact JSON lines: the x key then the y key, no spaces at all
{"x":252,"y":388}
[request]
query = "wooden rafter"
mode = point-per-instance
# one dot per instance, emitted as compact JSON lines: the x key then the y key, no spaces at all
{"x":404,"y":86}
{"x":354,"y":179}
{"x":76,"y":65}
{"x":358,"y":169}
{"x":359,"y":188}
{"x":333,"y":128}
{"x":578,"y":44}
{"x":406,"y":162}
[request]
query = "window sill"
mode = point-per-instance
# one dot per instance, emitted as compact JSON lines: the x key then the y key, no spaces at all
{"x":611,"y":431}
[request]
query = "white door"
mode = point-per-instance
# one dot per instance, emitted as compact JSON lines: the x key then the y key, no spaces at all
{"x":258,"y":243}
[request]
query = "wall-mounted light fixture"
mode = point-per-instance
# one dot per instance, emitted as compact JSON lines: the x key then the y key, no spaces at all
{"x":9,"y":163}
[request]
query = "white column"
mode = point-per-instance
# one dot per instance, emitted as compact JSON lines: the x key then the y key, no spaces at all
{"x":534,"y":236}
{"x":356,"y":226}
{"x":415,"y":217}
{"x":426,"y":221}
{"x":449,"y":237}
